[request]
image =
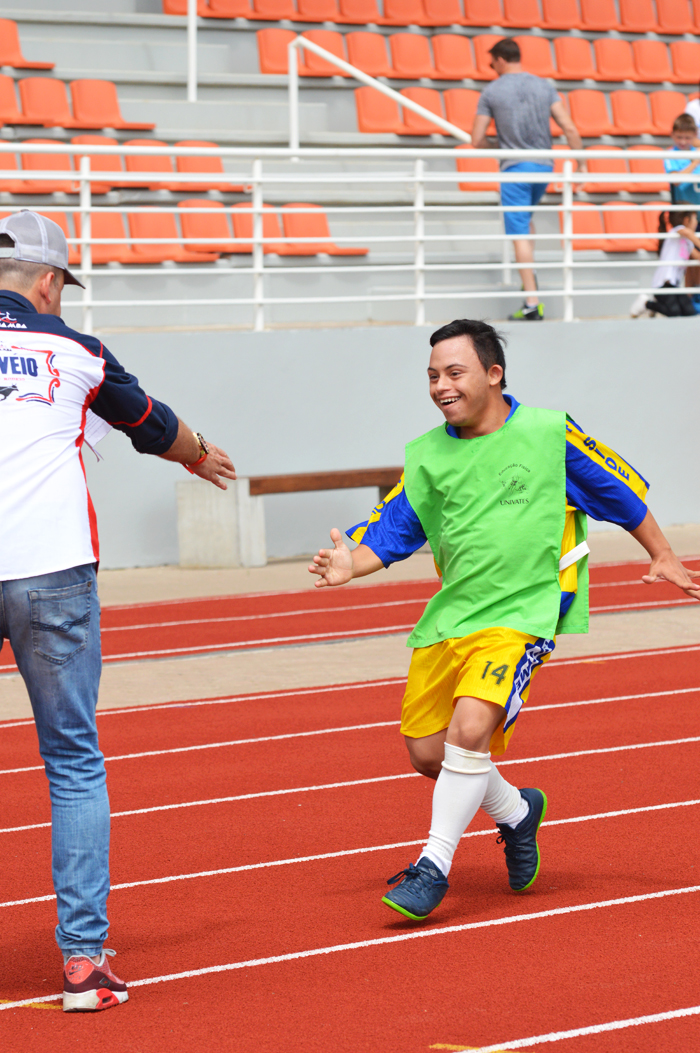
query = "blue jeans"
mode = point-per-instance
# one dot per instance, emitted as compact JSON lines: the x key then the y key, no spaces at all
{"x":53,"y":624}
{"x":525,"y":195}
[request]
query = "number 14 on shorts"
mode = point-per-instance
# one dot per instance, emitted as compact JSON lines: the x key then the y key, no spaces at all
{"x":499,"y":671}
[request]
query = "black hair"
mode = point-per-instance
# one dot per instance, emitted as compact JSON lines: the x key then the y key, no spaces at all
{"x":506,"y":49}
{"x":488,"y":344}
{"x":673,"y":218}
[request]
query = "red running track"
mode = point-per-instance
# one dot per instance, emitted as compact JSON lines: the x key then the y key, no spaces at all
{"x":227,"y":623}
{"x":488,"y":968}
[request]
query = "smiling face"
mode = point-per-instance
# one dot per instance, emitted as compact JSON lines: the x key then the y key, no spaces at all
{"x":468,"y":395}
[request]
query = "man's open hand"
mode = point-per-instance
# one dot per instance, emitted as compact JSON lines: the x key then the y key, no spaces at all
{"x":333,"y":565}
{"x":216,"y":467}
{"x":667,"y":567}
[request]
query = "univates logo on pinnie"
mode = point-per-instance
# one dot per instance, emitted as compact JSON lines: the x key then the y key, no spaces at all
{"x":513,"y":479}
{"x":27,"y":375}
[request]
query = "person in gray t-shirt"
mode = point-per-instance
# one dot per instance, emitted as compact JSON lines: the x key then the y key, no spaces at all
{"x":521,"y":104}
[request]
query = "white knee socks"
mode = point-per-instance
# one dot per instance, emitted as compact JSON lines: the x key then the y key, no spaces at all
{"x":503,"y":801}
{"x":458,"y":794}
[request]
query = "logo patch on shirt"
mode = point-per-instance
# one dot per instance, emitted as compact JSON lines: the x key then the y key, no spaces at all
{"x":7,"y":320}
{"x":36,"y":368}
{"x":514,"y":480}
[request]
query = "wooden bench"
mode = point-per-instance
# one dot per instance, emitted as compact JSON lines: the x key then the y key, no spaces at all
{"x":227,"y":528}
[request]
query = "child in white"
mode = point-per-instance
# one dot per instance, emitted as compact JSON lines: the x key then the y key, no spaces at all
{"x":680,"y":245}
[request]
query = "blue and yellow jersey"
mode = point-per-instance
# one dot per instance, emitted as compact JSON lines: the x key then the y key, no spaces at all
{"x":598,"y":482}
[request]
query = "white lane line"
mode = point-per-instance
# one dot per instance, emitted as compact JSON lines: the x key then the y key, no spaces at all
{"x":594,"y":1029}
{"x":356,"y":851}
{"x":420,"y":934}
{"x":354,"y":727}
{"x":234,"y":698}
{"x":633,"y":606}
{"x":266,"y":617}
{"x":595,"y":659}
{"x":359,"y":782}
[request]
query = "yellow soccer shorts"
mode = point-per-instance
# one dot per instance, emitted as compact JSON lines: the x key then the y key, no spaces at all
{"x":496,"y":664}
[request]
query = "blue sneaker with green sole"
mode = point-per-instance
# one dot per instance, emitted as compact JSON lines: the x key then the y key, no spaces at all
{"x":422,"y":890}
{"x":520,"y":844}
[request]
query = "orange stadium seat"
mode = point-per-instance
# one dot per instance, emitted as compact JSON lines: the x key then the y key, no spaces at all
{"x":273,"y":56}
{"x":45,"y":163}
{"x":359,"y":12}
{"x":403,"y":13}
{"x":274,"y":10}
{"x":481,"y":44}
{"x":414,"y":123}
{"x":630,"y":111}
{"x":522,"y":14}
{"x":665,"y":107}
{"x":483,"y":13}
{"x":536,"y":56}
{"x":317,"y":11}
{"x":460,"y":108}
{"x":696,"y":15}
{"x":207,"y":225}
{"x":625,"y":219}
{"x":96,"y":105}
{"x":315,"y":65}
{"x":614,"y":59}
{"x":226,"y":9}
{"x":599,"y":15}
{"x":454,"y":59}
{"x":589,"y":113}
{"x":560,"y":14}
{"x":465,"y":163}
{"x":161,"y":224}
{"x":638,"y":16}
{"x":586,"y":220}
{"x":45,"y":101}
{"x":111,"y":225}
{"x":9,"y":109}
{"x":685,"y":56}
{"x":11,"y":49}
{"x":110,"y":163}
{"x":574,"y":58}
{"x":210,"y":164}
{"x":606,"y":166}
{"x":651,"y":61}
{"x":179,"y":7}
{"x":410,"y":56}
{"x":8,"y":163}
{"x":243,"y":227}
{"x":312,"y":222}
{"x":442,"y":13}
{"x":556,"y":187}
{"x":367,"y":51}
{"x":648,"y":166}
{"x":377,"y":113}
{"x":674,"y":16}
{"x":152,"y":163}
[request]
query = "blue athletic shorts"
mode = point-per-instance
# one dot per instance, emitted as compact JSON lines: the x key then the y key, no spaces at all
{"x":523,"y":194}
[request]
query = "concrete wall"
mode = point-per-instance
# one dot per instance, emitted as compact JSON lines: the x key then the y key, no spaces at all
{"x":317,"y":400}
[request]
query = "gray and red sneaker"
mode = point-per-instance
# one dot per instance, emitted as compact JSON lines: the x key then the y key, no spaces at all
{"x":88,"y":988}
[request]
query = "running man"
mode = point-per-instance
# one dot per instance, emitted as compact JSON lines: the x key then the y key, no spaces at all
{"x":501,"y":492}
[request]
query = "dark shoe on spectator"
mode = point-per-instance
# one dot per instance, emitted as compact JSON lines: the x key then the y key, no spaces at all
{"x":528,"y":313}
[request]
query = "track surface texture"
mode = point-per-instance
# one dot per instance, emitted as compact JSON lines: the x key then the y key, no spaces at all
{"x":253,"y":835}
{"x":229,"y":623}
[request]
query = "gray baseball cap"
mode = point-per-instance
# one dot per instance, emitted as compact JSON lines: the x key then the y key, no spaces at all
{"x":37,"y":240}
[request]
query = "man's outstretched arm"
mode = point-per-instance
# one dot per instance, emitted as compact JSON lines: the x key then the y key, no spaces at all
{"x":338,"y":565}
{"x":665,"y":564}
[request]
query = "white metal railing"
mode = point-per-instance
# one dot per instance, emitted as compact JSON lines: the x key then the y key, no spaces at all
{"x":427,"y":252}
{"x":191,"y":50}
{"x":302,"y":43}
